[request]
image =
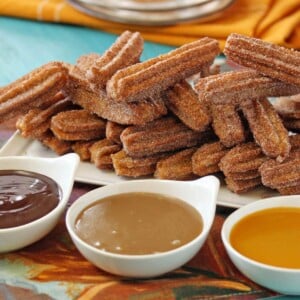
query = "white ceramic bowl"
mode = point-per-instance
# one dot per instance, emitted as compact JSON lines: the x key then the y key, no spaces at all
{"x":61,"y":170}
{"x":201,"y":194}
{"x":282,"y":280}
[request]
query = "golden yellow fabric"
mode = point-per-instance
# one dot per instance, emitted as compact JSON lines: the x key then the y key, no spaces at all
{"x":276,"y":21}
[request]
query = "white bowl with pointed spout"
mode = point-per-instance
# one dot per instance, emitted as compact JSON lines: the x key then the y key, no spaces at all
{"x":62,"y":171}
{"x":201,"y":194}
{"x":283,"y":280}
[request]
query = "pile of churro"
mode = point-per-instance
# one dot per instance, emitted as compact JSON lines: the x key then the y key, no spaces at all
{"x":175,"y":116}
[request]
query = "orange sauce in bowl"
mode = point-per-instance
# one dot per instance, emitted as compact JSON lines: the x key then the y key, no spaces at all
{"x":270,"y":236}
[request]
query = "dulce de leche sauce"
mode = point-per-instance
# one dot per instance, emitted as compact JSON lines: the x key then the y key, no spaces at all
{"x":138,"y":223}
{"x":25,"y":196}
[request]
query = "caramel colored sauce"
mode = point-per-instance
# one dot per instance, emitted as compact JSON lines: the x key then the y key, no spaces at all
{"x":138,"y":223}
{"x":25,"y":196}
{"x":270,"y":236}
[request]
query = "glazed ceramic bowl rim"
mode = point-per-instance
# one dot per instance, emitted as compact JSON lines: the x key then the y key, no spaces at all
{"x":249,"y":209}
{"x":63,"y":199}
{"x":90,"y":198}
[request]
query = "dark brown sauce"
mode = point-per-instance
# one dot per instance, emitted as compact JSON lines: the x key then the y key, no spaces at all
{"x":25,"y":196}
{"x":138,"y":223}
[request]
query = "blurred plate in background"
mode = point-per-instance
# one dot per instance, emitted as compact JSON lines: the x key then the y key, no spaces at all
{"x":145,"y":12}
{"x":142,"y":5}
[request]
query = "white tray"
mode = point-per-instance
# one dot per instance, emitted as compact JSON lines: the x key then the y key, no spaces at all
{"x":88,"y":173}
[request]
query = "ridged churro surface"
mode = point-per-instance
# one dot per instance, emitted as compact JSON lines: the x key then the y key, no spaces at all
{"x":269,"y":59}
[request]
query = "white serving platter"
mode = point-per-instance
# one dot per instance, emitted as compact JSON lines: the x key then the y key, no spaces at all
{"x":88,"y":173}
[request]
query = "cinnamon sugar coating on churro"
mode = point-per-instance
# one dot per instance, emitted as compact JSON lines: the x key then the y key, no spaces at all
{"x":289,"y":190}
{"x":101,"y":152}
{"x":82,"y":149}
{"x":227,"y":124}
{"x":37,"y":121}
{"x":243,"y":185}
{"x":113,"y":132}
{"x":283,"y":176}
{"x":269,"y":59}
{"x":74,"y":125}
{"x":56,"y":145}
{"x":124,"y":165}
{"x":206,"y":159}
{"x":126,"y":51}
{"x":242,"y":161}
{"x":240,"y":166}
{"x":148,"y":78}
{"x":84,"y":62}
{"x":237,"y":86}
{"x":33,"y":90}
{"x":165,"y":134}
{"x":267,"y":128}
{"x":82,"y":92}
{"x":183,"y":101}
{"x":177,"y":166}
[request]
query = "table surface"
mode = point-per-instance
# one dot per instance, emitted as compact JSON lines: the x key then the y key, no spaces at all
{"x":52,"y":268}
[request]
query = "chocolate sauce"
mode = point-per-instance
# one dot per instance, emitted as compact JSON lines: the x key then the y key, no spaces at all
{"x":25,"y":196}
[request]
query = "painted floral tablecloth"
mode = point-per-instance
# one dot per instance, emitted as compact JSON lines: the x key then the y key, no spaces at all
{"x":52,"y":268}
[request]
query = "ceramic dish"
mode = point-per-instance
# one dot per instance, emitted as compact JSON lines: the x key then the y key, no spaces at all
{"x":279,"y":279}
{"x":154,"y":5}
{"x":201,"y":194}
{"x":62,"y":171}
{"x":168,"y":15}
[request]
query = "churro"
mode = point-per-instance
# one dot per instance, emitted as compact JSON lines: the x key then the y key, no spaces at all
{"x":283,"y":176}
{"x":126,"y":51}
{"x":33,"y":90}
{"x":162,"y":135}
{"x":240,"y":166}
{"x":113,"y":132}
{"x":124,"y":165}
{"x":58,"y":146}
{"x":242,"y":186}
{"x":227,"y":124}
{"x":237,"y":86}
{"x":267,"y":58}
{"x":82,"y":149}
{"x":242,"y":161}
{"x":101,"y":152}
{"x":206,"y":159}
{"x":148,"y":78}
{"x":267,"y":128}
{"x":86,"y":61}
{"x":177,"y":166}
{"x":183,"y":101}
{"x":74,"y":125}
{"x":289,"y":190}
{"x":82,"y":92}
{"x":37,"y":121}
